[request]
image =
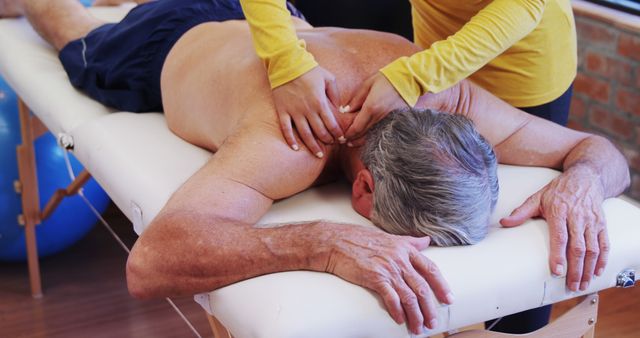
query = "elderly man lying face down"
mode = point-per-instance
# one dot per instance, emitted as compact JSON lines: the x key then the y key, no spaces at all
{"x":422,"y":174}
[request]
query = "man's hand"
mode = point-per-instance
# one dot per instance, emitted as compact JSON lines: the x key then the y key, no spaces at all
{"x":393,"y":267}
{"x":375,"y":99}
{"x":572,"y":206}
{"x":308,"y":102}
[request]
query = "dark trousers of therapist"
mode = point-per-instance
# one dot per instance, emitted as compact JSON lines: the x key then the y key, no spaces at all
{"x":395,"y":17}
{"x":527,"y":321}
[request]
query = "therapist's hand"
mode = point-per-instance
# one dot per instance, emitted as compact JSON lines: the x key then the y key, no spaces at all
{"x":572,"y":206}
{"x":374,"y":99}
{"x":308,"y":103}
{"x":394,"y":268}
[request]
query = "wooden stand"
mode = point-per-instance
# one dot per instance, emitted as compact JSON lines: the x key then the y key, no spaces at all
{"x":580,"y":321}
{"x":219,"y":331}
{"x":31,"y":128}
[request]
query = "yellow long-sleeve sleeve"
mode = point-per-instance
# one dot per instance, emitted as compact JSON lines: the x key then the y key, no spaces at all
{"x":274,"y":38}
{"x":494,"y":28}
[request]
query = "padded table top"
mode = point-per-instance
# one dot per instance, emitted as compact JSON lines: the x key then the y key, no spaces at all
{"x":129,"y":155}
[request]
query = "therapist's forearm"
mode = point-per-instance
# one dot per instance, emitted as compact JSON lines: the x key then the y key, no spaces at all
{"x":275,"y":40}
{"x":488,"y":34}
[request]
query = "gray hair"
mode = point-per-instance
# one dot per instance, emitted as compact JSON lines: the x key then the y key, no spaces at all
{"x":434,"y":175}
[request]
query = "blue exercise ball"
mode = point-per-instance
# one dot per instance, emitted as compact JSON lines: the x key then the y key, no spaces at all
{"x":70,"y":221}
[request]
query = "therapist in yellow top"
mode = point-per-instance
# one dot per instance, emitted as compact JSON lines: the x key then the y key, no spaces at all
{"x":523,"y":51}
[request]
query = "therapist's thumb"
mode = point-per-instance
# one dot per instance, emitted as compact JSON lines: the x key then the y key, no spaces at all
{"x":529,"y":209}
{"x":356,"y":102}
{"x":332,"y":90}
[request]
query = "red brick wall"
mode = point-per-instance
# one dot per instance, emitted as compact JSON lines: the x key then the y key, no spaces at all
{"x":607,"y":89}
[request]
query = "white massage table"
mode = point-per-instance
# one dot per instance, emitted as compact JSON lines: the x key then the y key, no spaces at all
{"x":127,"y":154}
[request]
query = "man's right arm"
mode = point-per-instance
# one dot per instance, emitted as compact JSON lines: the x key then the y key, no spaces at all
{"x":204,"y":238}
{"x":200,"y":249}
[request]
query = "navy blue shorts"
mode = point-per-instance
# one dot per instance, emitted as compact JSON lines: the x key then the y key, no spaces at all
{"x":119,"y":64}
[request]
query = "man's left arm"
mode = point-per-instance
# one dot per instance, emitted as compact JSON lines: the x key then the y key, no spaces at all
{"x":593,"y":170}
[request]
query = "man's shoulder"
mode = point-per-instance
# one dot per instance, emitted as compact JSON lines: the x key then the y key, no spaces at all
{"x":257,"y":156}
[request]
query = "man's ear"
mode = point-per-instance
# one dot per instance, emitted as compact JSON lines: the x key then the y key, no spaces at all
{"x":362,"y":193}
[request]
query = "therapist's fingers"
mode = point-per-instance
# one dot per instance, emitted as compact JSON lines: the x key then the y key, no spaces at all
{"x":287,"y":131}
{"x":527,"y":210}
{"x":382,"y":98}
{"x":425,"y":299}
{"x":575,"y":254}
{"x":603,"y":242}
{"x":319,"y":129}
{"x":360,"y":124}
{"x":359,"y":97}
{"x":591,"y":257}
{"x":357,"y":142}
{"x":329,"y":120}
{"x":431,"y":273}
{"x":307,"y":137}
{"x":332,"y":90}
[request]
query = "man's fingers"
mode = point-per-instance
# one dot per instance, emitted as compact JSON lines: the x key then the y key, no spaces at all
{"x":420,"y":243}
{"x":425,"y":299}
{"x":430,"y":272}
{"x":603,"y":242}
{"x":591,"y":257}
{"x":558,"y":236}
{"x":307,"y":137}
{"x":409,"y":301}
{"x":575,"y":254}
{"x":529,"y":209}
{"x":287,"y":131}
{"x":391,"y":301}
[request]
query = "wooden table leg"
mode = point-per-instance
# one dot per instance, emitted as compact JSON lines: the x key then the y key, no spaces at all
{"x":219,"y":331}
{"x":580,"y":321}
{"x":30,"y":198}
{"x":591,"y":333}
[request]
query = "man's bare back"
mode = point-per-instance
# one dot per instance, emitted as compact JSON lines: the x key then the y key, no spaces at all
{"x":212,"y":74}
{"x":210,"y":62}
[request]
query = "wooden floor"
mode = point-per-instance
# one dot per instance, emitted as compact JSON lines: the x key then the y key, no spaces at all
{"x":86,"y":296}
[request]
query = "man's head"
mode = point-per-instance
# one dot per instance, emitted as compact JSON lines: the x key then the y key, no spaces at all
{"x":428,"y":174}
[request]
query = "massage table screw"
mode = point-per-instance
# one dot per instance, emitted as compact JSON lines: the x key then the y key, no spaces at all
{"x":65,"y":141}
{"x":626,"y":278}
